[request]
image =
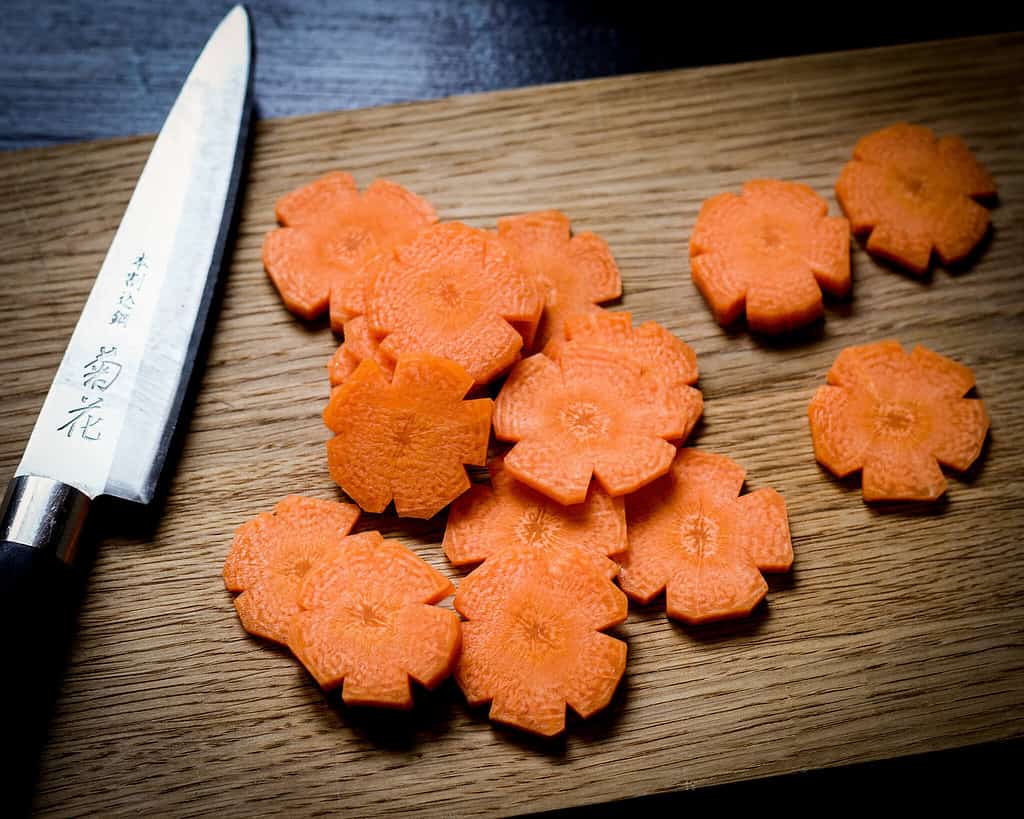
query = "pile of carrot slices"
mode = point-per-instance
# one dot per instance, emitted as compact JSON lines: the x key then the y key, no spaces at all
{"x":450,"y":331}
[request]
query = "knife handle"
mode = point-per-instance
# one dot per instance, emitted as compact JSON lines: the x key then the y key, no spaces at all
{"x":40,"y":524}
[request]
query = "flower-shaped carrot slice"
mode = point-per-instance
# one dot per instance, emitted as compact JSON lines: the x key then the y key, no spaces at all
{"x":576,"y":274}
{"x":329,"y":232}
{"x":593,"y":413}
{"x":487,"y":520}
{"x":455,"y":292}
{"x":272,"y":553}
{"x":692,"y":535}
{"x":359,"y":344}
{"x":666,"y":362}
{"x":532,"y":642}
{"x":896,"y":417}
{"x":366,"y":622}
{"x":914,"y":193}
{"x":406,"y":440}
{"x":769,"y":252}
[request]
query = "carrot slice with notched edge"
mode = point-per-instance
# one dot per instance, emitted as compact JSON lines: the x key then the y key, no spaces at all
{"x":913,"y":193}
{"x":769,"y":252}
{"x":532,"y":642}
{"x":366,"y":622}
{"x":692,"y":535}
{"x":359,"y":344}
{"x":666,"y":362}
{"x":896,"y":416}
{"x":455,"y":292}
{"x":406,"y":440}
{"x":329,"y":231}
{"x":272,"y":553}
{"x":576,"y":273}
{"x":593,"y":413}
{"x":487,"y":520}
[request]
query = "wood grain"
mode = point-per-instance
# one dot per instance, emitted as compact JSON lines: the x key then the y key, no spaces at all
{"x":900,"y":630}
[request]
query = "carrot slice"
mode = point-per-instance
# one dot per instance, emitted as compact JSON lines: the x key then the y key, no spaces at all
{"x":896,"y":416}
{"x":366,"y":622}
{"x":532,"y":642}
{"x":272,"y":553}
{"x":666,"y":362}
{"x":769,"y":252}
{"x":487,"y":520}
{"x":455,"y":292}
{"x":329,"y":231}
{"x":359,"y":344}
{"x":913,"y":193}
{"x":576,"y":274}
{"x":406,"y":440}
{"x":693,"y":536}
{"x":593,"y":413}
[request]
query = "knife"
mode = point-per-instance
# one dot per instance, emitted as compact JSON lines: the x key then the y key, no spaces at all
{"x":107,"y":421}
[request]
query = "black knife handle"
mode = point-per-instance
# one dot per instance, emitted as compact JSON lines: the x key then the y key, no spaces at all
{"x":40,"y":523}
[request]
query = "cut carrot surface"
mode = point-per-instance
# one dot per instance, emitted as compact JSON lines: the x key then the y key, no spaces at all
{"x":272,"y":553}
{"x":576,"y":273}
{"x":329,"y":232}
{"x":455,"y":292}
{"x":507,"y":514}
{"x":532,"y":642}
{"x":666,"y":362}
{"x":406,"y":439}
{"x":359,"y":344}
{"x":694,"y":537}
{"x":914,"y":194}
{"x":365,"y":621}
{"x":769,"y":253}
{"x":895,"y":417}
{"x":593,"y":413}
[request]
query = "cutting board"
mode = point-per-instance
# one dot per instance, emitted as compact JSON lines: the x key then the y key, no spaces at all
{"x":899,"y":630}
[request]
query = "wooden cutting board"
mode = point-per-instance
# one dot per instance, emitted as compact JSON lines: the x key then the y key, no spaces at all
{"x":899,"y":630}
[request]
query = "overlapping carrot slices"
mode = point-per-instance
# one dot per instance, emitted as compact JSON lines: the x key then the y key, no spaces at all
{"x":359,"y":344}
{"x":896,"y":416}
{"x":506,"y":514}
{"x":329,"y":232}
{"x":457,"y":293}
{"x":272,"y":553}
{"x":591,"y":413}
{"x":533,"y":639}
{"x":913,"y":194}
{"x":406,"y":439}
{"x":365,"y":621}
{"x":769,"y":252}
{"x":666,"y":362}
{"x":694,"y":537}
{"x":576,"y":273}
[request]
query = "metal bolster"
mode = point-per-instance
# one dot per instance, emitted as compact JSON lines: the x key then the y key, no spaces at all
{"x":44,"y":514}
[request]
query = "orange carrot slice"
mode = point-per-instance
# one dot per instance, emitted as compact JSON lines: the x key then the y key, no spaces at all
{"x":692,"y":536}
{"x":487,"y":520}
{"x":272,"y":553}
{"x":359,"y":344}
{"x":406,"y":440}
{"x":913,"y":193}
{"x":896,"y":417}
{"x":576,"y":274}
{"x":532,"y":642}
{"x":454,"y":292}
{"x":666,"y":362}
{"x":329,"y":232}
{"x":366,"y":622}
{"x":593,"y":413}
{"x":769,"y":252}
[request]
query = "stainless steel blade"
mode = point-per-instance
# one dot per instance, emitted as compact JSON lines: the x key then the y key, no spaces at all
{"x":109,"y":415}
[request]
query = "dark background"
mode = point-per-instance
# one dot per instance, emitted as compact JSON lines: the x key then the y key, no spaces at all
{"x":100,"y":68}
{"x":71,"y":71}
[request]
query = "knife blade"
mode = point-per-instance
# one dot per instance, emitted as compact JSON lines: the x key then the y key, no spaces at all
{"x":107,"y":421}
